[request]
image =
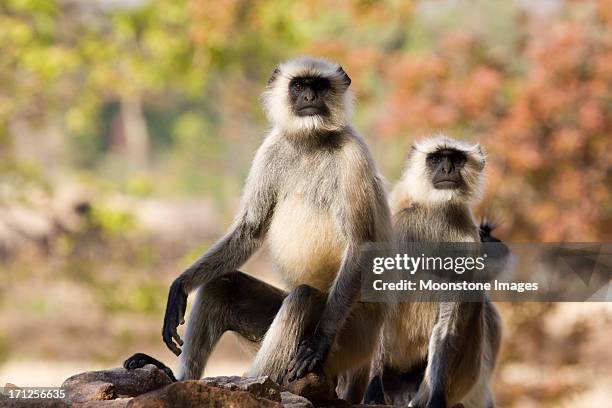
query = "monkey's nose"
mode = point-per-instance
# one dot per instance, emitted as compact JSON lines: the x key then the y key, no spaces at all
{"x":309,"y":96}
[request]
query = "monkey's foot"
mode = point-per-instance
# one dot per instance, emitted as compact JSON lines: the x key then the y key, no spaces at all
{"x":140,"y":360}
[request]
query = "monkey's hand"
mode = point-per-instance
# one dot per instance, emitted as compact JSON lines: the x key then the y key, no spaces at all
{"x":175,"y":315}
{"x":309,"y":357}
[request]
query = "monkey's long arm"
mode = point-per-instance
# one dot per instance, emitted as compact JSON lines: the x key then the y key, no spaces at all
{"x":230,"y":252}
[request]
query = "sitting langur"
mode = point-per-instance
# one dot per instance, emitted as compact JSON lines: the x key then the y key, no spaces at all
{"x":315,"y":195}
{"x":438,"y":354}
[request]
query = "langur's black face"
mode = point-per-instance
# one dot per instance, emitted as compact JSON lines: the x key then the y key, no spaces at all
{"x":445,"y":167}
{"x":308,"y":94}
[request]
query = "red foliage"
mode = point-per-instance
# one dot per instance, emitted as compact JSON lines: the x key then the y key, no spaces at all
{"x":546,"y":126}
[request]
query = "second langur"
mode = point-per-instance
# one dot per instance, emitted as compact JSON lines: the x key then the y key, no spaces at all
{"x":438,"y":355}
{"x":315,"y":195}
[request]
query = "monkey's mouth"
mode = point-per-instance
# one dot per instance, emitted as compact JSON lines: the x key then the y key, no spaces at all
{"x":447,"y":184}
{"x":309,"y":111}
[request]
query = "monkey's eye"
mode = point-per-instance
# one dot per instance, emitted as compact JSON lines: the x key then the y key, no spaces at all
{"x":433,"y":159}
{"x":459,"y":160}
{"x":297,"y":86}
{"x":321,"y":85}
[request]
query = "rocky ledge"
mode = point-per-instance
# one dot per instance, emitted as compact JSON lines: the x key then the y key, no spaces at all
{"x":151,"y":387}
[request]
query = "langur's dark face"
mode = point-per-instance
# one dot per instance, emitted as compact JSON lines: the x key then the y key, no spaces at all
{"x":307,"y":96}
{"x":445,"y":167}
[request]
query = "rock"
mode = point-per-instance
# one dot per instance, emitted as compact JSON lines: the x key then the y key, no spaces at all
{"x":198,"y":394}
{"x":312,"y":387}
{"x":6,"y":402}
{"x":91,"y":391}
{"x":260,"y":387}
{"x":116,"y":403}
{"x":151,"y":387}
{"x":290,"y":400}
{"x":117,"y":382}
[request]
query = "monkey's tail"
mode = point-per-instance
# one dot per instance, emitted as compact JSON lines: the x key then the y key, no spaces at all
{"x":501,"y":260}
{"x":487,"y":225}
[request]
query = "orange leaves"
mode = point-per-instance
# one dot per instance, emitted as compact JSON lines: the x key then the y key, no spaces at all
{"x":546,"y":125}
{"x":440,"y":90}
{"x":565,"y":142}
{"x":590,"y":116}
{"x":211,"y":22}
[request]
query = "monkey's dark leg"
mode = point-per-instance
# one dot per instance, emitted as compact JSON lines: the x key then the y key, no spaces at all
{"x":236,"y":302}
{"x":374,"y":394}
{"x":455,"y":355}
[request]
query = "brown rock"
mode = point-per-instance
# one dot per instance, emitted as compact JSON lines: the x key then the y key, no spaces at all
{"x":90,"y":391}
{"x":198,"y":394}
{"x":290,"y":400}
{"x":313,"y":387}
{"x":6,"y":402}
{"x":108,"y":384}
{"x":260,"y":387}
{"x":116,"y":403}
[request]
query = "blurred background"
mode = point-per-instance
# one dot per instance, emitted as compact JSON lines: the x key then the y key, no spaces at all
{"x":127,"y":128}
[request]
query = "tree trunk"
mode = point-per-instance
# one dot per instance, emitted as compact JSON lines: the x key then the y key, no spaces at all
{"x":135,"y":132}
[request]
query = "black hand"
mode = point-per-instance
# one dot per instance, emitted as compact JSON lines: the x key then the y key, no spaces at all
{"x":175,"y":315}
{"x":309,"y":357}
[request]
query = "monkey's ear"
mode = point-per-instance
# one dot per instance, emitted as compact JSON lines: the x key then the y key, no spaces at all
{"x":479,"y":149}
{"x":274,"y":75}
{"x":413,"y":150}
{"x":346,"y":80}
{"x":481,"y":154}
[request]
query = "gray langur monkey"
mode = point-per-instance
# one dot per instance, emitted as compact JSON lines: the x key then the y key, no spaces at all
{"x":438,"y":354}
{"x":314,"y":193}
